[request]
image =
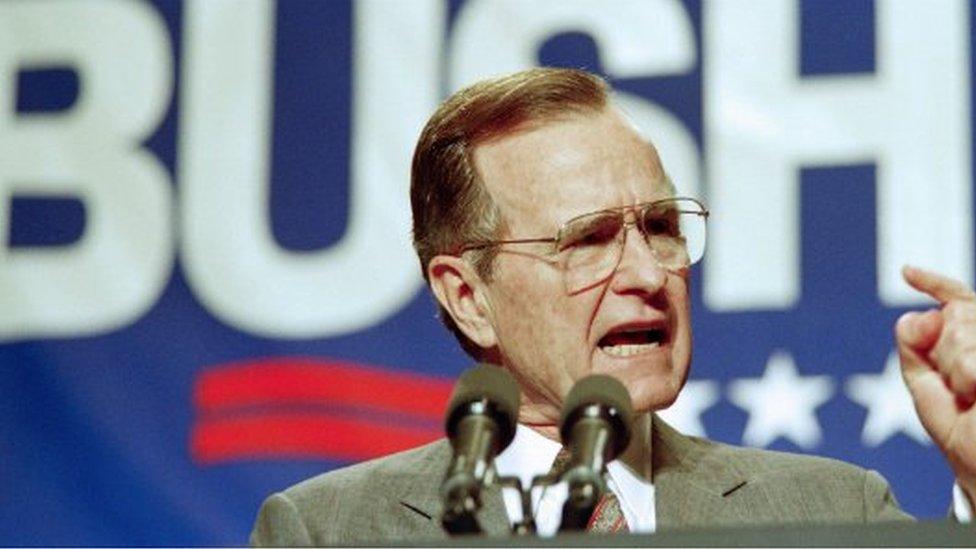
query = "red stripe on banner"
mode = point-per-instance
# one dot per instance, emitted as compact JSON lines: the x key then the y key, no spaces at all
{"x":300,"y":435}
{"x":309,"y":381}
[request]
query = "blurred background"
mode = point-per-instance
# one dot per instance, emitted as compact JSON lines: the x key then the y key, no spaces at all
{"x":207,"y":291}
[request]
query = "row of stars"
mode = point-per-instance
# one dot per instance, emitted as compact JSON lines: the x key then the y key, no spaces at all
{"x":782,"y":403}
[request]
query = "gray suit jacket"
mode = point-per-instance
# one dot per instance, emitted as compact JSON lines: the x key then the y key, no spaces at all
{"x":698,"y":483}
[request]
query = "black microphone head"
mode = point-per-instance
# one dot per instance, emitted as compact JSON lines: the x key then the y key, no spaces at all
{"x":490,"y":384}
{"x":607,"y":392}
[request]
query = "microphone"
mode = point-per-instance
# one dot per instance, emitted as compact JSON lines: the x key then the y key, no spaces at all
{"x":595,"y":426}
{"x":480,"y":423}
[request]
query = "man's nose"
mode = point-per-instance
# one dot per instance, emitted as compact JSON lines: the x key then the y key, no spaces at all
{"x":639,"y":269}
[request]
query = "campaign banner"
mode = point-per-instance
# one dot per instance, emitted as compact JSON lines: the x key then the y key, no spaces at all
{"x":207,"y":287}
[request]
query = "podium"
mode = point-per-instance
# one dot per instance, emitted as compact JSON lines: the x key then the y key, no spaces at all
{"x":891,"y":534}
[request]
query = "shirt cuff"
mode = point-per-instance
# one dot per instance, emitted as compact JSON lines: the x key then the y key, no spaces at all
{"x":960,"y":505}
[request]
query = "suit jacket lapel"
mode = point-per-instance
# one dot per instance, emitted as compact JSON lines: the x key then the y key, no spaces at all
{"x":419,"y":493}
{"x":690,"y":483}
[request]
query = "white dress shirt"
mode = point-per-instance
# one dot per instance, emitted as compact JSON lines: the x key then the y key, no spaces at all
{"x":960,"y":505}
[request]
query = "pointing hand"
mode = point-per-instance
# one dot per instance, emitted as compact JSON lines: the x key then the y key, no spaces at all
{"x":938,"y":362}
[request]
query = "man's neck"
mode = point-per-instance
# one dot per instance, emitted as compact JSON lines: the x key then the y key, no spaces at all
{"x":547,"y":430}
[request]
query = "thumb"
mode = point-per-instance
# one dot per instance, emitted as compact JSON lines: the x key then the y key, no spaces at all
{"x":917,"y":333}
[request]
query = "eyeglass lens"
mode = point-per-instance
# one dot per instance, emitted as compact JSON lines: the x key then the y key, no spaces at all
{"x":592,"y":244}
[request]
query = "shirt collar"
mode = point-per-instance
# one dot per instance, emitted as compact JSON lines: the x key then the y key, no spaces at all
{"x":529,"y":455}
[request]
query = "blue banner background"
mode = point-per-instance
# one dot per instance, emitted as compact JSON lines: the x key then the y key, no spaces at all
{"x":96,"y":429}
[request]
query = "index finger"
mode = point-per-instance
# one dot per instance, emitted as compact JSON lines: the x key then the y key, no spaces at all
{"x":940,"y":287}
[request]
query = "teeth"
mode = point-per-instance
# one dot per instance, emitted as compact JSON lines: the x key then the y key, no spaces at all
{"x":628,"y":350}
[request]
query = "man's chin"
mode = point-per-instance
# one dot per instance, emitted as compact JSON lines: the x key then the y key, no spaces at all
{"x":653,"y":383}
{"x":652,"y":399}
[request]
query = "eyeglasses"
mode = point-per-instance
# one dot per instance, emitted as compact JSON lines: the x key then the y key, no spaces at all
{"x":589,"y":247}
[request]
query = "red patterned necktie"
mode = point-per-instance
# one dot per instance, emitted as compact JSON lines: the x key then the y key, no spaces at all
{"x":607,"y":516}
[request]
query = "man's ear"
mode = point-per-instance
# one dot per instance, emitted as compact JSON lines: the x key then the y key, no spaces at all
{"x":459,"y":290}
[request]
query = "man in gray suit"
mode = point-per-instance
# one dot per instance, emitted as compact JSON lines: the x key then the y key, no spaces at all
{"x":554,"y":243}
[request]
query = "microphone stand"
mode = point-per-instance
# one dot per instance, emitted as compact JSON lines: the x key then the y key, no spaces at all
{"x":526,"y":526}
{"x":585,"y":490}
{"x":591,"y":422}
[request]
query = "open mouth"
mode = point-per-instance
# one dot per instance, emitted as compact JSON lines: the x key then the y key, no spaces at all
{"x":633,"y":341}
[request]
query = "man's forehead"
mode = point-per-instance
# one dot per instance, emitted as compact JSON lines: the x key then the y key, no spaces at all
{"x":557,"y":169}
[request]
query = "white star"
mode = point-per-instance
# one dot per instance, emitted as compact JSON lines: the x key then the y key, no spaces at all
{"x":685,"y":414}
{"x":781,"y":403}
{"x":889,"y":405}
